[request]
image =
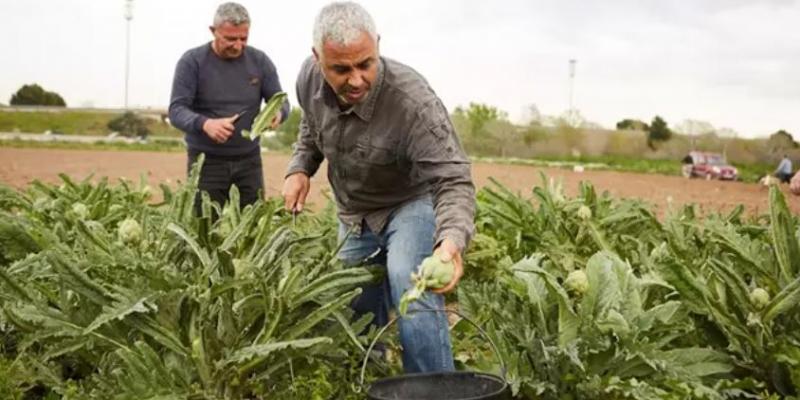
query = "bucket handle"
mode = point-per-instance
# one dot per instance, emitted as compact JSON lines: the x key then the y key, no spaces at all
{"x":433,"y":310}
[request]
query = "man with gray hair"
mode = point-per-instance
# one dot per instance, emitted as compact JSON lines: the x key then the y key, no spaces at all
{"x":400,"y":177}
{"x":216,"y":92}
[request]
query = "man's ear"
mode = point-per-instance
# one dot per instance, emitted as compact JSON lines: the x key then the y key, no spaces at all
{"x":316,"y":55}
{"x":212,"y":29}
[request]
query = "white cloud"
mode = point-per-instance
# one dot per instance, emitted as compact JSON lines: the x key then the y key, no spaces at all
{"x":730,"y":62}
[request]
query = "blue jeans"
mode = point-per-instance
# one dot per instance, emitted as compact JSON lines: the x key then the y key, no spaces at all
{"x":404,"y":242}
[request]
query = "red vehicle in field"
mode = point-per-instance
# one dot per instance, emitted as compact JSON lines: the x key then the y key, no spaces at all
{"x":707,"y":165}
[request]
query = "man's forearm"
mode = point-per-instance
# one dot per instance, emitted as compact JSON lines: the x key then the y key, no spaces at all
{"x":306,"y":157}
{"x":305,"y":162}
{"x":183,"y":118}
{"x":285,"y":109}
{"x":184,"y":90}
{"x":454,"y":204}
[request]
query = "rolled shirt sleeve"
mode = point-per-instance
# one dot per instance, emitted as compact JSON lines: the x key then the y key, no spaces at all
{"x":438,"y":159}
{"x":306,"y":157}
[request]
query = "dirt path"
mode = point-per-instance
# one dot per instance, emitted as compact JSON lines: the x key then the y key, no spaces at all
{"x":20,"y":166}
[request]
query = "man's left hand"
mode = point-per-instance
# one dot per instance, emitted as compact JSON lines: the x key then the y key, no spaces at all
{"x":447,"y":251}
{"x":276,"y":121}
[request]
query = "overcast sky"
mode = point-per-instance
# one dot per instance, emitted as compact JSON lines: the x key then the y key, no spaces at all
{"x":733,"y":63}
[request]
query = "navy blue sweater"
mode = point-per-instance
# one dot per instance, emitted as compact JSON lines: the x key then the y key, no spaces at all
{"x":207,"y":86}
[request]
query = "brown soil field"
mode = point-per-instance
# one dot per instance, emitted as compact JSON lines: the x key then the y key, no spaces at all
{"x":20,"y":166}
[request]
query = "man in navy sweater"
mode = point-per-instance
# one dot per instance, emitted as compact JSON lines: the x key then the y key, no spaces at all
{"x":216,"y":92}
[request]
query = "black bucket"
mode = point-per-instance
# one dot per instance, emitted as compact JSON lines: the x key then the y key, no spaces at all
{"x":461,"y":385}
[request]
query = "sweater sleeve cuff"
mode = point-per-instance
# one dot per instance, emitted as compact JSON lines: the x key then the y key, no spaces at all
{"x":199,"y":122}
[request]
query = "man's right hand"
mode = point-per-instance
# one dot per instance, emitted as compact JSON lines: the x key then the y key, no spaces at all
{"x":794,"y":185}
{"x":219,"y":129}
{"x":295,"y":191}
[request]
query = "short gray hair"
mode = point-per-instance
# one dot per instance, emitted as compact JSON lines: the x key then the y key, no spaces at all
{"x":343,"y":23}
{"x":234,"y":13}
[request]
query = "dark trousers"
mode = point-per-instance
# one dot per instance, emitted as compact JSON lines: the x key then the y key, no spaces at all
{"x":219,"y":173}
{"x":785,"y":178}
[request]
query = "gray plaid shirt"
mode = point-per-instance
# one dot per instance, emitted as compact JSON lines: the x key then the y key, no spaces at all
{"x":396,"y":146}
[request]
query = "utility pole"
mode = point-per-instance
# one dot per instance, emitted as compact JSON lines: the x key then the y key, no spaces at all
{"x":571,"y":110}
{"x":128,"y":18}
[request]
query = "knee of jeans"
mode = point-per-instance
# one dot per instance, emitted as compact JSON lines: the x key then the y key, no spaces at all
{"x":356,"y":257}
{"x":349,"y":261}
{"x":400,"y":280}
{"x":428,"y":301}
{"x":349,"y":256}
{"x":405,"y":260}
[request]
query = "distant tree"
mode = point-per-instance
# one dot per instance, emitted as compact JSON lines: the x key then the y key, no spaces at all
{"x":573,"y":118}
{"x":658,"y":132}
{"x":35,"y":95}
{"x":533,"y":133}
{"x":783,"y":136}
{"x":694,"y":127}
{"x":287,"y":132}
{"x":129,"y":125}
{"x":479,"y":115}
{"x":729,"y":133}
{"x":781,"y":141}
{"x":632,"y":124}
{"x":503,"y":136}
{"x":531,"y":116}
{"x":591,"y":125}
{"x":571,"y":136}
